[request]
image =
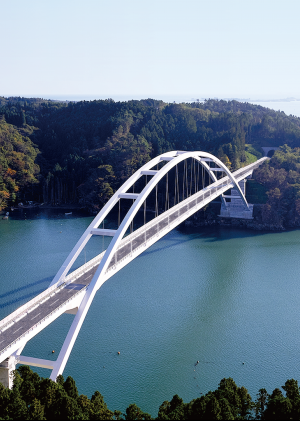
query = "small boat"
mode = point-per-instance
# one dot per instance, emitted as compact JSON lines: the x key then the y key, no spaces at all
{"x":30,"y":205}
{"x":68,"y":213}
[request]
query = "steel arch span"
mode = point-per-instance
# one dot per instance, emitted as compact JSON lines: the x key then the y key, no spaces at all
{"x":121,"y":250}
{"x":172,"y":158}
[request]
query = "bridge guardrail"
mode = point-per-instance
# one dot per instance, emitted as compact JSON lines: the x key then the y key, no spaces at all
{"x":211,"y":190}
{"x":238,"y":173}
{"x":19,"y":312}
{"x":82,"y":269}
{"x":224,"y":181}
{"x":185,"y":204}
{"x":42,"y":320}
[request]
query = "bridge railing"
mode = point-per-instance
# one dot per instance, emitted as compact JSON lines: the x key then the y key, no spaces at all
{"x":241,"y":171}
{"x":77,"y":273}
{"x":42,"y":320}
{"x":142,"y":235}
{"x":27,"y":307}
{"x":139,"y":238}
{"x":127,"y":244}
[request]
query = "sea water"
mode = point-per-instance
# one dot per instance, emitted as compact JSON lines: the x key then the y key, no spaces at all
{"x":228,"y":298}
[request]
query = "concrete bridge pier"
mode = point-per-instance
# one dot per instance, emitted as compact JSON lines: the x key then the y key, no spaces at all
{"x":6,"y":371}
{"x":236,"y":208}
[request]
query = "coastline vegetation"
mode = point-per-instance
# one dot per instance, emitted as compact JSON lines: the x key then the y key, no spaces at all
{"x":280,"y":177}
{"x":35,"y":398}
{"x":79,"y":153}
{"x":18,"y":169}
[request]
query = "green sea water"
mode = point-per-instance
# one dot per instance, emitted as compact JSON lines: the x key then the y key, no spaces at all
{"x":225,"y":297}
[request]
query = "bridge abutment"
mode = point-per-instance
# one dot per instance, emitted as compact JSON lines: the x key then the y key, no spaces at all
{"x":7,"y":368}
{"x":236,"y":208}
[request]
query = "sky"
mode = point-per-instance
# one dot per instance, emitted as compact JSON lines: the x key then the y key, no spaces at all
{"x":150,"y":48}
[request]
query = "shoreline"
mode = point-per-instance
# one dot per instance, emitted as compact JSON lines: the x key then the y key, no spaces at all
{"x":19,"y":211}
{"x":71,"y":207}
{"x":239,"y":223}
{"x":194,"y":221}
{"x":42,"y":206}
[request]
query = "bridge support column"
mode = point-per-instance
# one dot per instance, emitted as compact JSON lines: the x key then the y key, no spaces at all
{"x":6,"y":372}
{"x":236,"y":208}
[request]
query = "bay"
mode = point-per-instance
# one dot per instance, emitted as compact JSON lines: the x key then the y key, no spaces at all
{"x":225,"y":297}
{"x":288,"y":107}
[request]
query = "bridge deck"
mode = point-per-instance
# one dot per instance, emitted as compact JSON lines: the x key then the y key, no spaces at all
{"x":17,"y":327}
{"x":44,"y":309}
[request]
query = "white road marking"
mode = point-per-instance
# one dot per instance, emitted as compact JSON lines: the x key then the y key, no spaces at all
{"x":17,"y":330}
{"x":36,"y":315}
{"x":54,"y":302}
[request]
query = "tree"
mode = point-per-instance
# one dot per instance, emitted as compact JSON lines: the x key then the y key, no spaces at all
{"x":278,"y":407}
{"x":98,"y":409}
{"x":173,"y":410}
{"x":133,"y":412}
{"x":70,"y":387}
{"x":292,"y":393}
{"x":260,"y":403}
{"x":36,"y":410}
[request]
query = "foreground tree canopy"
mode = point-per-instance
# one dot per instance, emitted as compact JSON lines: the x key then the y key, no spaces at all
{"x":65,"y":152}
{"x":35,"y":398}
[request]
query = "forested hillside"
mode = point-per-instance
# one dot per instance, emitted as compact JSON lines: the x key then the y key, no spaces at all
{"x":85,"y":150}
{"x":281,"y":178}
{"x":18,"y":169}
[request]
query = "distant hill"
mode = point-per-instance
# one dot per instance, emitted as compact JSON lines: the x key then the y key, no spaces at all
{"x":89,"y":146}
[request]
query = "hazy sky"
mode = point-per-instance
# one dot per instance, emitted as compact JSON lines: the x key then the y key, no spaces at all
{"x":223,"y":48}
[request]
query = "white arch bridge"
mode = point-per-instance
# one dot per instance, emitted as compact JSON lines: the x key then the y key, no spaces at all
{"x":190,"y":180}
